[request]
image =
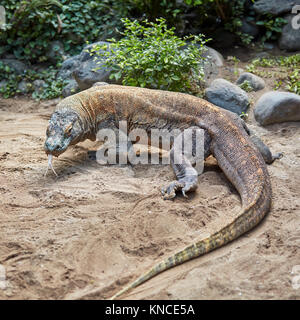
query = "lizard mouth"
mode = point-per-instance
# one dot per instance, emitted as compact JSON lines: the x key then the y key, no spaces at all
{"x":54,"y":153}
{"x":52,"y":147}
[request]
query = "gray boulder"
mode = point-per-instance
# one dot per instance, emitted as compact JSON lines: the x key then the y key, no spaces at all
{"x":90,"y":70}
{"x":290,"y":37}
{"x":211,"y":65}
{"x":56,"y":51}
{"x":68,"y":67}
{"x":71,"y":88}
{"x":99,"y":84}
{"x":87,"y":74}
{"x":23,"y":86}
{"x":227,"y":96}
{"x":256,"y":82}
{"x":250,"y":27}
{"x":275,"y":107}
{"x":214,"y":56}
{"x":15,"y":64}
{"x":38,"y":85}
{"x":82,"y":68}
{"x":274,"y":7}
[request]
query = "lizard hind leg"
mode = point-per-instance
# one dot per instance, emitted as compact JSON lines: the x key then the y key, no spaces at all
{"x":184,"y":156}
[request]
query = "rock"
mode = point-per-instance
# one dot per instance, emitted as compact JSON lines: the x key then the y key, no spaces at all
{"x":211,"y":66}
{"x":86,"y":55}
{"x":23,"y":87}
{"x":38,"y":85}
{"x":268,"y":46}
{"x":227,"y":96}
{"x":290,"y":37}
{"x":3,"y":84}
{"x":214,"y":56}
{"x":68,"y":67}
{"x":82,"y":68}
{"x":211,"y":72}
{"x":56,"y":51}
{"x":250,"y":27}
{"x":86,"y":74}
{"x":15,"y":64}
{"x":274,"y":107}
{"x":71,"y":88}
{"x":256,"y":82}
{"x":274,"y":7}
{"x":98,"y":84}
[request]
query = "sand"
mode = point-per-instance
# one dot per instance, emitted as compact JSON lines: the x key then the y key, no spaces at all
{"x":93,"y":229}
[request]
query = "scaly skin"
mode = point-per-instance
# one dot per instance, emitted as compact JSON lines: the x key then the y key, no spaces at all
{"x":227,"y":140}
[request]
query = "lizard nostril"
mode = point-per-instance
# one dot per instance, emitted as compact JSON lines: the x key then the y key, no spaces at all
{"x":58,"y":146}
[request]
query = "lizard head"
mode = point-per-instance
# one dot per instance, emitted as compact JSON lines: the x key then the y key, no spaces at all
{"x":64,"y":129}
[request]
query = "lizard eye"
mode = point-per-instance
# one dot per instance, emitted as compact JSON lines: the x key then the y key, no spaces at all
{"x":68,"y":130}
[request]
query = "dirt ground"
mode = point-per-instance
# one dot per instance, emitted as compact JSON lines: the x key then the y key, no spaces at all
{"x":90,"y":231}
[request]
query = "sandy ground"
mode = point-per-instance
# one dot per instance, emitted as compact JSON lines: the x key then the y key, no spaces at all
{"x":94,"y":228}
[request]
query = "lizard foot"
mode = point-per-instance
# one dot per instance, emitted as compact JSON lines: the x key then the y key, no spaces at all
{"x":184,"y":185}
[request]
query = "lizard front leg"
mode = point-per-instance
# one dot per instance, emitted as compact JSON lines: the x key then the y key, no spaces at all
{"x":182,"y":162}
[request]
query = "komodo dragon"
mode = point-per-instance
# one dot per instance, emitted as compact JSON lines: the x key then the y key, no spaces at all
{"x":78,"y":117}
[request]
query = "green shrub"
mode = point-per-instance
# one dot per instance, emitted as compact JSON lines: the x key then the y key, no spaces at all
{"x":151,"y":55}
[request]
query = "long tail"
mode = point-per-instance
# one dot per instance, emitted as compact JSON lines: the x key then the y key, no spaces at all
{"x":249,"y":218}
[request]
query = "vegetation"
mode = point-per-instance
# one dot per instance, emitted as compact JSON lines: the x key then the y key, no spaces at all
{"x":284,"y":69}
{"x":246,"y":85}
{"x":32,"y":26}
{"x":52,"y":87}
{"x":151,"y":55}
{"x":272,"y":27}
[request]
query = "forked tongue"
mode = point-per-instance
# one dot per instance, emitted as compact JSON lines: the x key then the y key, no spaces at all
{"x":50,"y":157}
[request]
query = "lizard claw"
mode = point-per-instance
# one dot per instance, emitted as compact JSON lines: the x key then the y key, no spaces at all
{"x":184,"y":185}
{"x":184,"y":194}
{"x":169,"y":192}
